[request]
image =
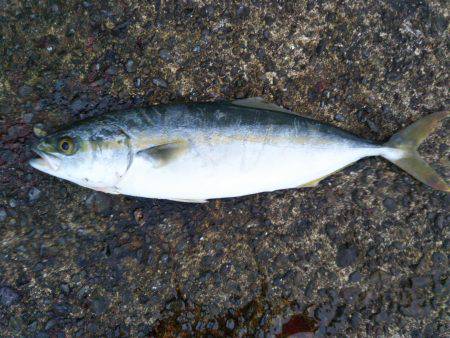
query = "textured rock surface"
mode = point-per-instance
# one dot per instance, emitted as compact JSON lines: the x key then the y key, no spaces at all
{"x":365,"y":252}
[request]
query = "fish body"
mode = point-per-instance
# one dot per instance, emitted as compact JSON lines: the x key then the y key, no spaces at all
{"x":195,"y":152}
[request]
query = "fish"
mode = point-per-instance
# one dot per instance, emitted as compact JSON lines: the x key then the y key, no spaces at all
{"x":194,"y":152}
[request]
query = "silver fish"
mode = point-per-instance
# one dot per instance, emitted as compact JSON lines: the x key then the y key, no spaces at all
{"x":196,"y":152}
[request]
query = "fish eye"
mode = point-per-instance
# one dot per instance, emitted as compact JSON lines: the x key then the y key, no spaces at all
{"x":66,"y":146}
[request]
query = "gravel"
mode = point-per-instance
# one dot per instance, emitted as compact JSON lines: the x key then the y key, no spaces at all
{"x":346,"y":255}
{"x":8,"y":296}
{"x":365,"y":253}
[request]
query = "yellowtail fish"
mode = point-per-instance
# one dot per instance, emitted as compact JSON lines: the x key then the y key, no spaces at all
{"x":195,"y":152}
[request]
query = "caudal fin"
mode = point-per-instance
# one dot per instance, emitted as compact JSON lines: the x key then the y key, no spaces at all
{"x":408,"y":140}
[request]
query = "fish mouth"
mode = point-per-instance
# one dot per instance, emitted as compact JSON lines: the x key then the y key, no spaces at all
{"x":45,"y":162}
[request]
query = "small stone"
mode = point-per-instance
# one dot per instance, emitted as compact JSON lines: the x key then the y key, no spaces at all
{"x":39,"y":130}
{"x":50,"y":324}
{"x":186,"y":327}
{"x":27,"y":118}
{"x":339,"y":117}
{"x":325,"y":313}
{"x":34,"y":194}
{"x":390,"y":204}
{"x":355,"y":320}
{"x":373,"y":126}
{"x":347,"y":255}
{"x":131,"y":66}
{"x":99,"y":203}
{"x":321,"y":46}
{"x":25,"y":91}
{"x":439,"y":258}
{"x":33,"y":326}
{"x":61,"y":309}
{"x":331,"y":231}
{"x":65,"y":288}
{"x":111,"y":70}
{"x":12,"y":203}
{"x":78,"y":105}
{"x":8,"y":296}
{"x":209,"y":11}
{"x":420,"y":282}
{"x":230,"y":324}
{"x":439,"y":221}
{"x":159,"y":82}
{"x":99,"y":305}
{"x":243,"y":12}
{"x":165,"y":55}
{"x":350,"y":294}
{"x":3,"y":214}
{"x":354,"y":277}
{"x":213,"y":325}
{"x":138,"y":82}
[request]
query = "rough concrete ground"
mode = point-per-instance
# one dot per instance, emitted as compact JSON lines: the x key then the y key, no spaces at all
{"x":365,"y":253}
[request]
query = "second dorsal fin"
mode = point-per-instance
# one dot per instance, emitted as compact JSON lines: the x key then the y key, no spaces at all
{"x":260,"y":103}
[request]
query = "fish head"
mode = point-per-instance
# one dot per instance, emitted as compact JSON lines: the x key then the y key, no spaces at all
{"x":96,"y":155}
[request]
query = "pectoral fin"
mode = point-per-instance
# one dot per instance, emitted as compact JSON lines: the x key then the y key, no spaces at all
{"x":165,"y":153}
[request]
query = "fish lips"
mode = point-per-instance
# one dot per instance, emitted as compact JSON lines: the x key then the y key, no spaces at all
{"x":46,"y":162}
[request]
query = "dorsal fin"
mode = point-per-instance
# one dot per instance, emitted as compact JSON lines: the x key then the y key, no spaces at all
{"x":260,"y":103}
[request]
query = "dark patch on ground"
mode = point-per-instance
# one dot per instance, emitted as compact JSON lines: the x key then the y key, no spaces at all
{"x":366,"y":252}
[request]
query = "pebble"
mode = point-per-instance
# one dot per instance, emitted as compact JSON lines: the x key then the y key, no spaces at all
{"x":439,"y":221}
{"x":78,"y":105}
{"x":331,"y":230}
{"x":420,"y":282}
{"x":65,"y":288}
{"x":354,"y":277}
{"x":339,"y":118}
{"x":27,"y":118}
{"x":390,"y":204}
{"x":346,"y":255}
{"x":243,"y":12}
{"x":99,"y":203}
{"x":138,"y":82}
{"x":439,"y":258}
{"x":209,"y":10}
{"x":25,"y":91}
{"x":50,"y":324}
{"x":12,"y":203}
{"x":131,"y":66}
{"x":3,"y":214}
{"x":8,"y":296}
{"x":34,"y":194}
{"x":325,"y":313}
{"x":165,"y":55}
{"x":230,"y":324}
{"x":159,"y":83}
{"x":99,"y":305}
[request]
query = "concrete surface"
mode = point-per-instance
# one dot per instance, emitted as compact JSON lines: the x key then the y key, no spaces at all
{"x":365,"y":253}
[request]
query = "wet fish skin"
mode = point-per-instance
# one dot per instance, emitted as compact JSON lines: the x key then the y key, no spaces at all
{"x":194,"y":152}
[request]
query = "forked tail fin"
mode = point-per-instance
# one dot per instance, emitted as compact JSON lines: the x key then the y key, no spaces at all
{"x":408,"y":140}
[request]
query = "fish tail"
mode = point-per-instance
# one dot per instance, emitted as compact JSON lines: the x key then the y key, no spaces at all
{"x":406,"y":142}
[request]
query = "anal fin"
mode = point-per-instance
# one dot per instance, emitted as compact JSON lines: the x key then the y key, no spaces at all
{"x":311,"y":184}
